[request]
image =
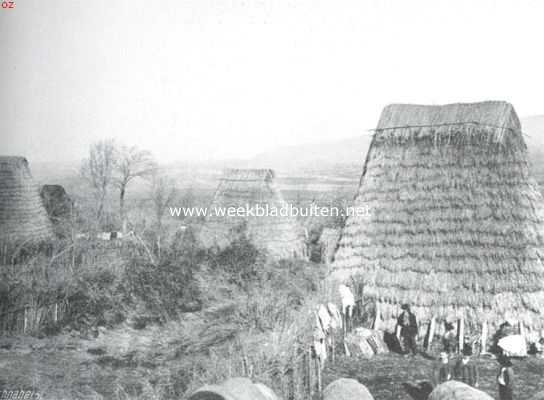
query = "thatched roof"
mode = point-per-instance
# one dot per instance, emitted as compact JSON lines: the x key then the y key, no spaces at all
{"x":234,"y":389}
{"x":457,"y":223}
{"x":56,"y":201}
{"x":346,"y":389}
{"x":453,"y":390}
{"x":280,"y":236}
{"x":22,"y":215}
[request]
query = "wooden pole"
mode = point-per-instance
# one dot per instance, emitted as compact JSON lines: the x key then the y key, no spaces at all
{"x":432,"y":328}
{"x":521,"y":329}
{"x":483,"y":339}
{"x":310,"y":380}
{"x":461,"y":333}
{"x":25,"y":321}
{"x":333,"y":350}
{"x":319,"y":388}
{"x":378,"y":317}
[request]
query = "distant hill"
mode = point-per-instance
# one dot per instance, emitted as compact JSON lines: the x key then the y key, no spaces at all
{"x":315,"y":155}
{"x":352,"y":151}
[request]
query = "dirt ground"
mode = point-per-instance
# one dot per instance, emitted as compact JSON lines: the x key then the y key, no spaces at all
{"x":70,"y":368}
{"x":384,"y":374}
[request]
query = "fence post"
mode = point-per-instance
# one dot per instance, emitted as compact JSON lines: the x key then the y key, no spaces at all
{"x":319,"y":367}
{"x":378,"y":317}
{"x":25,"y":319}
{"x":483,"y":339}
{"x":310,"y":380}
{"x":461,"y":333}
{"x":432,"y":327}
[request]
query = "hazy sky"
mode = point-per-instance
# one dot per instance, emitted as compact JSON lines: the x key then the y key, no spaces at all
{"x":206,"y":79}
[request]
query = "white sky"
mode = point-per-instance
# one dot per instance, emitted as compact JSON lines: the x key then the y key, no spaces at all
{"x":211,"y":79}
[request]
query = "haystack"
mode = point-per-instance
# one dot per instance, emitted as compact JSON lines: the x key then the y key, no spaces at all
{"x":278,"y":234}
{"x":456,"y":225}
{"x":23,"y":218}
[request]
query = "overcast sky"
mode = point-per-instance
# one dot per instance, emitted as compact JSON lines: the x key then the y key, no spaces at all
{"x":208,"y":79}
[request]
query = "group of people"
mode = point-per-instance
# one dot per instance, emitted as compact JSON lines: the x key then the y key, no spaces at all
{"x":464,"y":369}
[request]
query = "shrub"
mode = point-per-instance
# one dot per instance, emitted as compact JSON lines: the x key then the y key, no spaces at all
{"x":161,"y":290}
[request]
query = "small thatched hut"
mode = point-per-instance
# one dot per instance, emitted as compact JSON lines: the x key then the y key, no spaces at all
{"x":346,"y":389}
{"x":456,"y":225}
{"x":241,"y":190}
{"x":23,"y":217}
{"x":234,"y":389}
{"x":453,"y":390}
{"x":57,"y":202}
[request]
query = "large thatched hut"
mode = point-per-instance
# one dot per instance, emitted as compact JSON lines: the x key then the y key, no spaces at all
{"x":23,"y":218}
{"x":456,"y":225}
{"x":255,"y":206}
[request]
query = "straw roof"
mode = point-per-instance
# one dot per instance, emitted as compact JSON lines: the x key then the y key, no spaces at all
{"x":279,"y":235}
{"x":453,"y":390}
{"x":234,"y":389}
{"x":346,"y":389}
{"x":456,"y":225}
{"x":56,"y":201}
{"x":22,"y":215}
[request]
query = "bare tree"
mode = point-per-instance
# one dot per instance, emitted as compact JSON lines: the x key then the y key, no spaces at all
{"x":98,"y":171}
{"x":131,"y":162}
{"x":162,"y":193}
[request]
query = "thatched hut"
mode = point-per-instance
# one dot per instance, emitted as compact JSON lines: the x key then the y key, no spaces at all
{"x":234,"y":389}
{"x":456,"y":225}
{"x":57,"y":202}
{"x":23,"y":218}
{"x":245,"y":192}
{"x":346,"y":389}
{"x":453,"y":390}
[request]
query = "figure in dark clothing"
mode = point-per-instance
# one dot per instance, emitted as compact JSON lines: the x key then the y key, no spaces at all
{"x":505,"y":378}
{"x":408,"y":329}
{"x":450,"y":339}
{"x":466,"y":370}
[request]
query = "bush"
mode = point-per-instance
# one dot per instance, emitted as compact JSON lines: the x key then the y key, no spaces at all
{"x":94,"y":300}
{"x":241,"y":261}
{"x":161,"y":290}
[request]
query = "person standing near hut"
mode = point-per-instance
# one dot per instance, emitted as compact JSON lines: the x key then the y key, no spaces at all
{"x":505,"y":378}
{"x":450,"y":339}
{"x":466,"y":370}
{"x":407,"y":323}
